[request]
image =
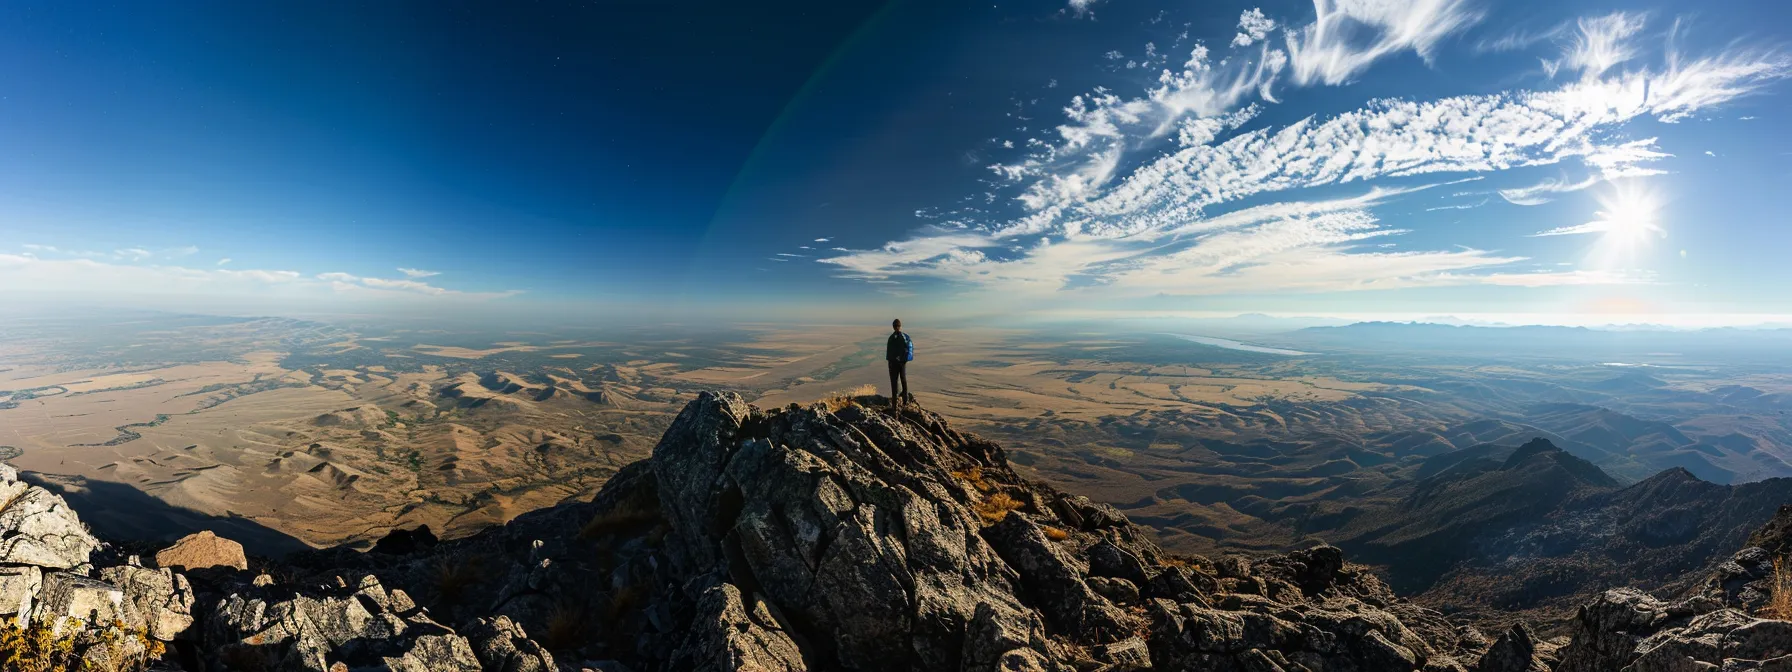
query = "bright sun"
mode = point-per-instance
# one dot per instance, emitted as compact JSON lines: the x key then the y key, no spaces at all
{"x":1628,"y":219}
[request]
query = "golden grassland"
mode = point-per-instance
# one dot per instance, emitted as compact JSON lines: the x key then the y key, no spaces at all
{"x":461,"y":437}
{"x":326,"y":455}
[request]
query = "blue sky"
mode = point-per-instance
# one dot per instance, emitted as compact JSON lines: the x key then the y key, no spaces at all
{"x":1099,"y":157}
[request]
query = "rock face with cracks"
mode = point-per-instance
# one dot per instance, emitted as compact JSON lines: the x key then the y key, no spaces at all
{"x":861,"y":539}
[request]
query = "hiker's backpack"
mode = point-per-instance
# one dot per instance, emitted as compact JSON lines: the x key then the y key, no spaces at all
{"x":908,"y":343}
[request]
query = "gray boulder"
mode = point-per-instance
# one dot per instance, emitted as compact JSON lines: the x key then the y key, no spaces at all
{"x":1056,"y":579}
{"x":18,"y":591}
{"x":157,"y":600}
{"x":311,"y":630}
{"x":69,"y":602}
{"x":37,"y":527}
{"x":1627,"y":630}
{"x":502,"y":646}
{"x":727,"y":634}
{"x":1515,"y":651}
{"x":445,"y":652}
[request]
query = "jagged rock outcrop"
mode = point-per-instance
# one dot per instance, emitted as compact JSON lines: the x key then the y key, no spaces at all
{"x":279,"y":628}
{"x":1517,"y":650}
{"x":727,"y":633}
{"x":40,"y":530}
{"x":503,"y":646}
{"x":1629,"y":630}
{"x":853,"y":538}
{"x":1745,"y":580}
{"x":159,"y":601}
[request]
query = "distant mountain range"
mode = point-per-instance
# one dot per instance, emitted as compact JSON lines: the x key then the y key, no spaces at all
{"x":1614,"y":345}
{"x":1494,"y":529}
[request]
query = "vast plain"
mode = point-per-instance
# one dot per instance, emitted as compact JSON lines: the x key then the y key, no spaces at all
{"x":294,"y":433}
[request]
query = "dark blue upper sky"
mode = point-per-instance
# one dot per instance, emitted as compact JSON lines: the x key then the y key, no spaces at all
{"x":1030,"y":156}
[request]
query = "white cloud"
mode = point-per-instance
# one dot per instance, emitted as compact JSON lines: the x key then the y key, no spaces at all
{"x":1600,"y":44}
{"x":256,"y":275}
{"x":133,"y":253}
{"x":1303,"y":246}
{"x":822,"y":240}
{"x":1253,"y":27}
{"x":417,"y":273}
{"x":1460,"y":206}
{"x":1540,"y":193}
{"x":1097,"y":221}
{"x":1521,"y":40}
{"x":224,"y":261}
{"x":39,"y":248}
{"x":345,"y":282}
{"x":1081,"y":7}
{"x":182,"y":251}
{"x":1330,"y":50}
{"x":408,"y":285}
{"x":25,"y":274}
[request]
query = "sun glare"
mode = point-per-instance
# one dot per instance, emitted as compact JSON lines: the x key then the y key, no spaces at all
{"x":1628,"y":218}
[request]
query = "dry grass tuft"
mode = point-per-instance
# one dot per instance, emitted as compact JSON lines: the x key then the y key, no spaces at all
{"x":623,"y":602}
{"x":1179,"y":561}
{"x":633,"y":515}
{"x":974,"y":477}
{"x":996,"y":507}
{"x":1779,"y":595}
{"x":452,"y":577}
{"x":34,"y":649}
{"x":839,"y":400}
{"x":118,"y":648}
{"x":1055,"y":534}
{"x":566,"y":627}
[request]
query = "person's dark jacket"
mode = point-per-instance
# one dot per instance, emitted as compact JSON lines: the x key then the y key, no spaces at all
{"x":899,"y":348}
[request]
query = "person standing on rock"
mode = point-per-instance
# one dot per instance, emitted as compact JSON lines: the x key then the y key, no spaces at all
{"x":899,"y":351}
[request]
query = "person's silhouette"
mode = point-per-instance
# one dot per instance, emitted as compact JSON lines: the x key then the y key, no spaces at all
{"x":899,"y":351}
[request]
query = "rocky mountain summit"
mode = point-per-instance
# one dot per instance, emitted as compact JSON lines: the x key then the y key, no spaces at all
{"x":837,"y":536}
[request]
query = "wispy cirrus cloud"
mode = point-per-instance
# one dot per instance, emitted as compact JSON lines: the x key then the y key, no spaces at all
{"x":45,"y":269}
{"x":1544,"y":192}
{"x":347,"y":282}
{"x":1332,"y":48}
{"x":417,"y":273}
{"x":1600,"y":44}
